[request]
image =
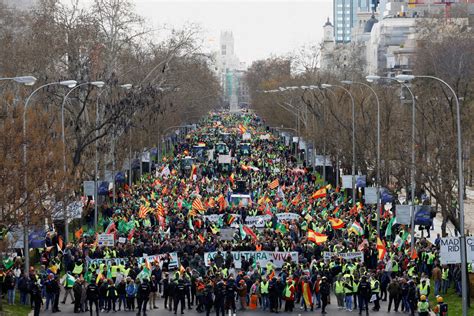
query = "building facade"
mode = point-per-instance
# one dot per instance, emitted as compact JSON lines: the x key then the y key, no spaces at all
{"x":231,"y":72}
{"x":345,"y":17}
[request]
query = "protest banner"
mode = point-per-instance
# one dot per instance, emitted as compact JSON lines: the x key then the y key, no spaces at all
{"x":344,"y":255}
{"x":257,"y":221}
{"x":403,"y":214}
{"x":370,"y":195}
{"x":105,"y":240}
{"x":261,"y":257}
{"x":450,"y":250}
{"x":287,"y":216}
{"x":174,"y":263}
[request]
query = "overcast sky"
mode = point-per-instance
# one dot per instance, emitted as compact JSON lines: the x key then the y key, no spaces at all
{"x":261,"y":28}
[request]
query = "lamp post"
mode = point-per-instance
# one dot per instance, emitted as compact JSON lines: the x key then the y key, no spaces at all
{"x":328,"y":86}
{"x":413,"y":166}
{"x":69,"y":84}
{"x":126,"y":86}
{"x":348,"y":82}
{"x":26,"y":80}
{"x":465,"y":284}
{"x":98,"y":84}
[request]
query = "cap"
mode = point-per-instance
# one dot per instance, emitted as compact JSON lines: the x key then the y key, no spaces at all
{"x":423,"y":298}
{"x":439,"y":299}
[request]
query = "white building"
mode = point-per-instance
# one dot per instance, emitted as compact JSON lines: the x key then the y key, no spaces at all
{"x":230,"y":72}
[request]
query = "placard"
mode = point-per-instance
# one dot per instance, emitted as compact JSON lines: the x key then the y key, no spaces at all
{"x":225,"y":159}
{"x":370,"y":195}
{"x":246,"y":136}
{"x":174,"y":263}
{"x":403,"y":214}
{"x":122,"y":240}
{"x":105,"y":240}
{"x":227,"y":234}
{"x":89,"y":188}
{"x":347,"y":181}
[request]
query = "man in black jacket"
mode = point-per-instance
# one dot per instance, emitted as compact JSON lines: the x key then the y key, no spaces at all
{"x":364,"y":292}
{"x":180,"y":295}
{"x":324,"y":290}
{"x":230,"y":290}
{"x":142,"y":296}
{"x":77,"y":291}
{"x":56,"y":291}
{"x":219,"y":293}
{"x":92,"y":294}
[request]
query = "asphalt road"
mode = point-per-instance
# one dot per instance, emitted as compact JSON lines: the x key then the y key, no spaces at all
{"x":67,"y":309}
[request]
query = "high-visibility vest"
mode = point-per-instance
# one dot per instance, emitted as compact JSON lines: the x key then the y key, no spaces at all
{"x":355,"y":287}
{"x":348,"y":289}
{"x":411,"y":271}
{"x":339,"y":287}
{"x":469,"y":268}
{"x":395,"y":266}
{"x":423,"y":289}
{"x":374,"y":284}
{"x":431,"y":258}
{"x":288,"y":290}
{"x":77,"y":269}
{"x":264,"y":287}
{"x":423,"y":307}
{"x":445,"y":273}
{"x":113,"y":271}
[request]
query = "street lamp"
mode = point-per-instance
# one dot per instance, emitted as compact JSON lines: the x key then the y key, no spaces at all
{"x":408,"y":78}
{"x":126,"y":86}
{"x":373,"y":78}
{"x":98,"y":84}
{"x":26,"y":80}
{"x":329,"y":86}
{"x":349,"y":82}
{"x":67,"y":83}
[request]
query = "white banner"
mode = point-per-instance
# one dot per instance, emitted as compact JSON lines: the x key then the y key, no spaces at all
{"x":246,"y":136}
{"x":450,"y":250}
{"x":344,"y":255}
{"x":287,"y":216}
{"x":257,"y":221}
{"x":160,"y":257}
{"x":105,"y":240}
{"x":261,"y":257}
{"x":89,"y":188}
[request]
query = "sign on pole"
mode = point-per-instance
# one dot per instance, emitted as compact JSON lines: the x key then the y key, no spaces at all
{"x":89,"y":188}
{"x":403,"y":214}
{"x":370,"y":195}
{"x":450,"y":250}
{"x":347,"y":181}
{"x":105,"y":240}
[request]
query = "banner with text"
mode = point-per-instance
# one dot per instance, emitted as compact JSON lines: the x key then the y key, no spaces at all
{"x":261,"y":257}
{"x":450,"y":250}
{"x":160,"y":257}
{"x":344,"y":255}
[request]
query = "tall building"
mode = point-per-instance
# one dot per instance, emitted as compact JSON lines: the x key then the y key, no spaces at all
{"x":230,"y":72}
{"x":345,"y":16}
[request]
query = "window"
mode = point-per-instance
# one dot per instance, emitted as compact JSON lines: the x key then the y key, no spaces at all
{"x":348,"y":25}
{"x":339,"y":24}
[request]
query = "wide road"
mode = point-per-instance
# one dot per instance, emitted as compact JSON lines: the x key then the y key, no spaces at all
{"x":67,"y":309}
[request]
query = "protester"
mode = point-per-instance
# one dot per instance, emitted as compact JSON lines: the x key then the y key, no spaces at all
{"x":253,"y":224}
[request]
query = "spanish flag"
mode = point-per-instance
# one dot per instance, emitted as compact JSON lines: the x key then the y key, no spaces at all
{"x":321,"y":193}
{"x":336,"y":223}
{"x":193,"y":172}
{"x":201,"y":238}
{"x":317,"y":238}
{"x":232,"y":178}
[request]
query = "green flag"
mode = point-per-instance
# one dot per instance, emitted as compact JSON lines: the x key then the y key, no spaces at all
{"x":388,"y":231}
{"x":404,"y":239}
{"x":281,"y":228}
{"x":243,"y":234}
{"x":7,"y":263}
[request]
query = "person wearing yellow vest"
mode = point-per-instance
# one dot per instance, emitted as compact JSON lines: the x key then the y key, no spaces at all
{"x":423,"y":306}
{"x":289,"y":295}
{"x":348,"y":290}
{"x":424,"y":288}
{"x":444,"y":279}
{"x":375,"y":287}
{"x":339,"y":290}
{"x":265,"y":292}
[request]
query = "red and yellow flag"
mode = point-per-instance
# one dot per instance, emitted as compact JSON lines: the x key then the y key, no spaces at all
{"x":274,"y":184}
{"x":316,"y":237}
{"x":381,"y":248}
{"x":336,"y":223}
{"x":319,"y":194}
